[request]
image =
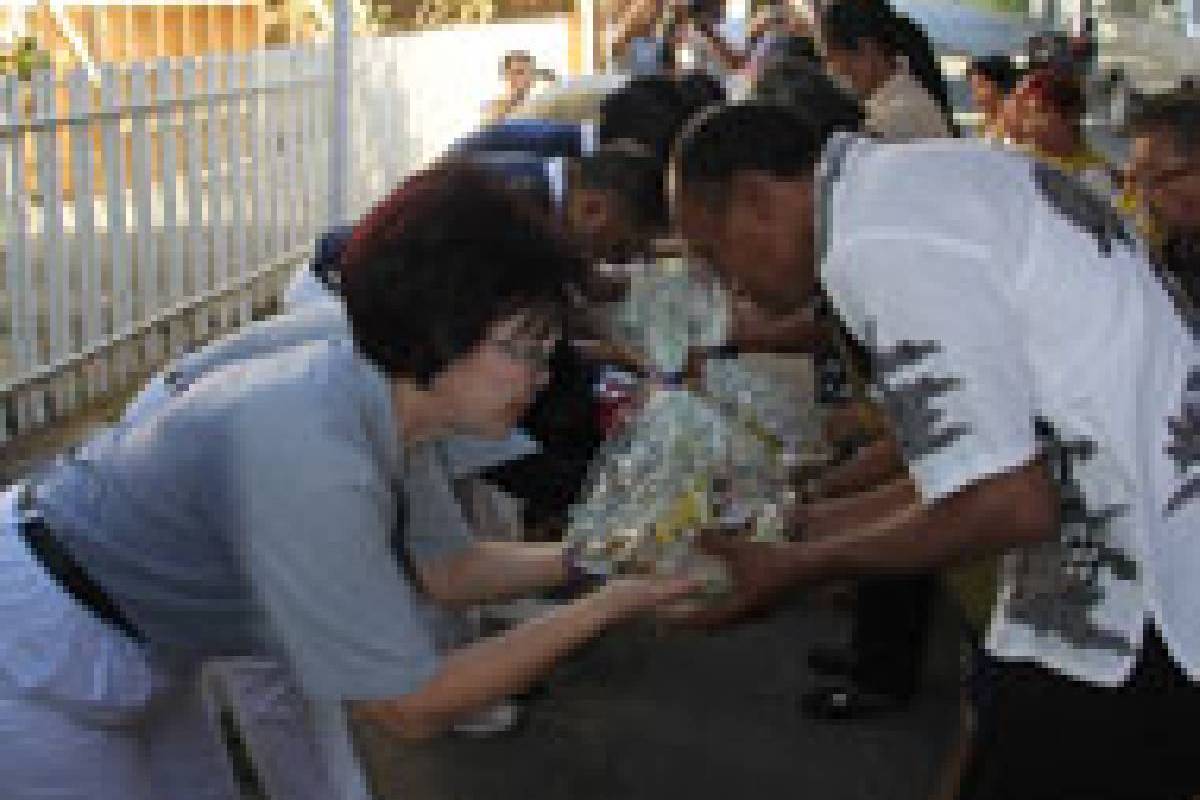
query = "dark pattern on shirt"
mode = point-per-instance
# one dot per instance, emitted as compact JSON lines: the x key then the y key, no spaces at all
{"x":1177,"y":267}
{"x":1183,"y":447}
{"x":1092,"y":214}
{"x":920,"y":426}
{"x":1055,"y":586}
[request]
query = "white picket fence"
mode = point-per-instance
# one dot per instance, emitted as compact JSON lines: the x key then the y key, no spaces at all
{"x":191,"y":182}
{"x":194,"y":186}
{"x":152,"y":206}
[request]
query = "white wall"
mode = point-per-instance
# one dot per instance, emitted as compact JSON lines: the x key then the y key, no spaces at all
{"x":457,"y":71}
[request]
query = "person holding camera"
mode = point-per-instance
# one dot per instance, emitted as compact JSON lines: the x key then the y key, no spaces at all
{"x":657,"y":36}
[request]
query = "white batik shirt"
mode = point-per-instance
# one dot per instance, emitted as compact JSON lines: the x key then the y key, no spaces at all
{"x":1010,"y":315}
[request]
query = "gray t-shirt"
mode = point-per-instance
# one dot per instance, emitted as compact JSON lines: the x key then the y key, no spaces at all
{"x":255,"y":513}
{"x":320,"y":319}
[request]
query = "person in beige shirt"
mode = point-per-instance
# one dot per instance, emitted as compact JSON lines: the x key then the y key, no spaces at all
{"x":900,"y":110}
{"x":874,"y":51}
{"x":519,"y":72}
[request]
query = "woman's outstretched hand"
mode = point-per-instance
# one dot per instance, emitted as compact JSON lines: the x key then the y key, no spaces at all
{"x":634,"y":595}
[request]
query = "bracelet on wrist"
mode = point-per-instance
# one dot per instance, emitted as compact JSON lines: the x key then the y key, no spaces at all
{"x":576,"y":578}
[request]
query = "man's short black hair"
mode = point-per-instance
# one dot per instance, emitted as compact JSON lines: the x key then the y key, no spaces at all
{"x":697,"y":90}
{"x":449,"y":253}
{"x":750,"y":137}
{"x":651,"y":110}
{"x":997,"y":69}
{"x":805,"y":87}
{"x":645,"y":117}
{"x":1176,"y":112}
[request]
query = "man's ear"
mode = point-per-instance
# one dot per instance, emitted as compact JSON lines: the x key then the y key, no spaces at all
{"x":595,"y":207}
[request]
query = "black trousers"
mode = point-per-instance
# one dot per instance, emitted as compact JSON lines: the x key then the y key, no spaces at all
{"x":890,"y":633}
{"x":1042,"y":736}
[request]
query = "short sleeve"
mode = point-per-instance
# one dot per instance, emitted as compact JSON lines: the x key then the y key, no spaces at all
{"x":436,"y":526}
{"x":948,"y":363}
{"x":317,"y":520}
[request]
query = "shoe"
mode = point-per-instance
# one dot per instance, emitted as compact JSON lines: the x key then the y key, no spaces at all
{"x":849,"y":702}
{"x":832,"y":662}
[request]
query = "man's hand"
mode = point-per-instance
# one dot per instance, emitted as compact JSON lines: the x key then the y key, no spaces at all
{"x":761,"y":572}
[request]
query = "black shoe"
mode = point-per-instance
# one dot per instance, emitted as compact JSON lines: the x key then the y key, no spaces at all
{"x":849,"y":702}
{"x":832,"y":662}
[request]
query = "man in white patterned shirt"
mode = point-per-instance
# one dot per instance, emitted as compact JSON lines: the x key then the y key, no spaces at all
{"x":1042,"y":387}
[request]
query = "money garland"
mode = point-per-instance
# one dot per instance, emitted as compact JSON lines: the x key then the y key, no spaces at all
{"x":688,"y":460}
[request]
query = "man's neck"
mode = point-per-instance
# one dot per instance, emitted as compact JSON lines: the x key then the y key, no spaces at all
{"x":420,"y":416}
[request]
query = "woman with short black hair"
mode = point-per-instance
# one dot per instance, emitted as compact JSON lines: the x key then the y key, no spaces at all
{"x":255,"y":512}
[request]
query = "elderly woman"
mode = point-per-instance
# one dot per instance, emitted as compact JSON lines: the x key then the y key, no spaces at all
{"x":256,"y":513}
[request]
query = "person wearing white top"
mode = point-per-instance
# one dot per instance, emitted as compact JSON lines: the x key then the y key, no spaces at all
{"x":887,"y":61}
{"x":1044,"y":389}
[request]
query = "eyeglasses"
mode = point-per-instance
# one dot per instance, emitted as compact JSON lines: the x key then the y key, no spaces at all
{"x":535,"y":354}
{"x":1157,"y":180}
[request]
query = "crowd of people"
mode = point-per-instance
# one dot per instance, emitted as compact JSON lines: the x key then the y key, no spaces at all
{"x":1003,"y":327}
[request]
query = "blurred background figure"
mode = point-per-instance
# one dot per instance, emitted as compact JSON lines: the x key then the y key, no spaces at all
{"x":1050,"y":106}
{"x":674,"y":36}
{"x":1164,"y":174}
{"x":519,"y":72}
{"x":991,"y":78}
{"x":888,"y":62}
{"x":802,"y":85}
{"x":779,"y":32}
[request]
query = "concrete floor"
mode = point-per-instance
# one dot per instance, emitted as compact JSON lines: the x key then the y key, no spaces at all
{"x":644,"y":715}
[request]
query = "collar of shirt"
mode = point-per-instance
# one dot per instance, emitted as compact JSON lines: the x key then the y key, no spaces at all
{"x":1081,"y":160}
{"x":386,"y":429}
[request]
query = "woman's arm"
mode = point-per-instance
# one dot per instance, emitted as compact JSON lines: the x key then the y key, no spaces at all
{"x":473,"y":677}
{"x":491,"y":570}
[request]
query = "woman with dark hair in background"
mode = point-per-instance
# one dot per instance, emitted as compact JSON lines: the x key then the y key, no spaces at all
{"x":991,"y":79}
{"x":887,"y":60}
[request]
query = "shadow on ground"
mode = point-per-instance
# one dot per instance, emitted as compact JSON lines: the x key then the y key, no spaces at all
{"x":645,"y":715}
